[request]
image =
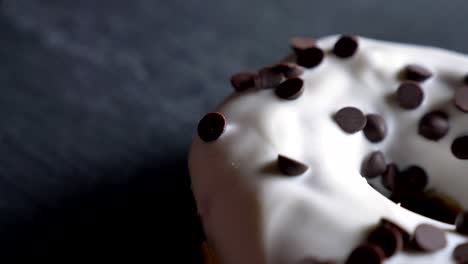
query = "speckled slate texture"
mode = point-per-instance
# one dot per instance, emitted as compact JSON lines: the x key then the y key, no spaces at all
{"x":100,"y":99}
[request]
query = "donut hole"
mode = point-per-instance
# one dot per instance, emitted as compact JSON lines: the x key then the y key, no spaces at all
{"x":432,"y":190}
{"x":409,"y":188}
{"x":417,"y":197}
{"x":430,"y":203}
{"x":433,"y":139}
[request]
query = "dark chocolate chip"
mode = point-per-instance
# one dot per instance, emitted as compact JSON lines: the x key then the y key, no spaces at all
{"x":350,"y":119}
{"x":374,"y":165}
{"x":461,"y":223}
{"x":434,"y":125}
{"x":301,"y":43}
{"x":388,"y":239}
{"x":307,"y":53}
{"x":412,"y":179}
{"x":346,"y":46}
{"x":290,"y":89}
{"x":390,"y":224}
{"x":410,"y":95}
{"x":243,"y":80}
{"x":461,"y":99}
{"x":310,"y":57}
{"x":369,"y":254}
{"x":289,"y":70}
{"x":211,"y":126}
{"x":389,"y":176}
{"x":418,"y":73}
{"x":460,"y":147}
{"x":313,"y":260}
{"x":376,"y":128}
{"x":460,"y":253}
{"x":268,"y":78}
{"x":429,"y":238}
{"x":290,"y":166}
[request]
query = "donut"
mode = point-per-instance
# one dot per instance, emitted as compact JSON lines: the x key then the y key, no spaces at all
{"x":350,"y":150}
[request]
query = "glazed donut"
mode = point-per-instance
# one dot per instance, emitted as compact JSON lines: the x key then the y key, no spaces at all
{"x":352,"y":150}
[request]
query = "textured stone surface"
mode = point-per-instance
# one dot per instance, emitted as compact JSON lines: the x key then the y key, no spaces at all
{"x":100,"y":100}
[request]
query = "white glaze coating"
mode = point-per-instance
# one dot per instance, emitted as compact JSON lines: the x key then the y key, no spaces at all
{"x":254,"y":215}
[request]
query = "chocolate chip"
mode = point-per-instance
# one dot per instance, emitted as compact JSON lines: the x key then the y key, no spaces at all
{"x":374,"y":165}
{"x":211,"y":126}
{"x":346,"y":46}
{"x":307,"y":53}
{"x":389,"y":176}
{"x":243,"y":80}
{"x":376,"y":128}
{"x":418,"y":73}
{"x":268,"y":78}
{"x":310,"y":57}
{"x":290,"y":89}
{"x":434,"y":125}
{"x":410,"y":95}
{"x":289,"y":70}
{"x":369,"y":254}
{"x":390,"y":224}
{"x":460,"y":253}
{"x":388,"y":239}
{"x":429,"y":238}
{"x":290,"y":166}
{"x":461,"y":223}
{"x":460,"y":147}
{"x":301,"y":43}
{"x":461,"y":99}
{"x":412,"y":179}
{"x":350,"y":119}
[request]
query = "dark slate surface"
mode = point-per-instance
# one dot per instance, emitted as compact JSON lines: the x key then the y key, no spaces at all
{"x":100,"y":99}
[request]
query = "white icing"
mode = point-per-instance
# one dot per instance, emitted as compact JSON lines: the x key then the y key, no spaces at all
{"x":254,"y":214}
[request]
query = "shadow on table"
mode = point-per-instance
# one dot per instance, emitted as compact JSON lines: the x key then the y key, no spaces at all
{"x":143,"y":221}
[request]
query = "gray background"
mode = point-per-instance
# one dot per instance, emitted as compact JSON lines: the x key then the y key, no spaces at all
{"x":100,"y":99}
